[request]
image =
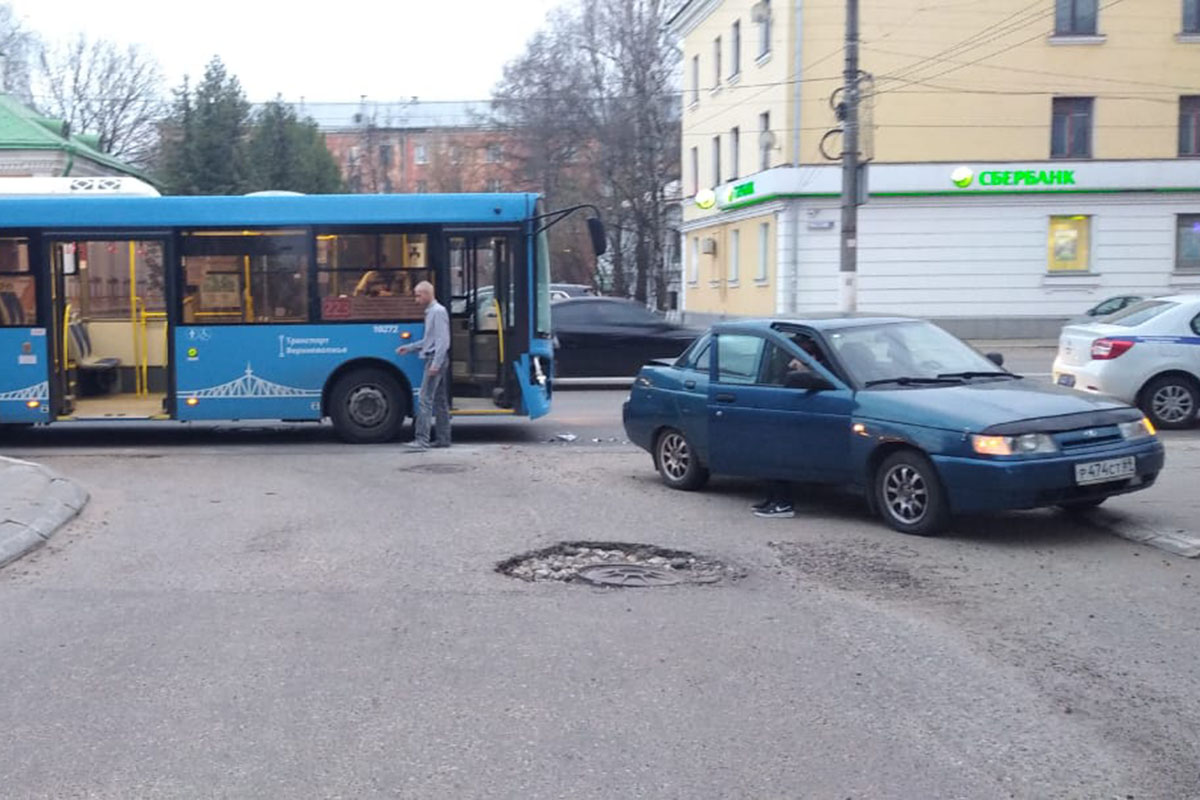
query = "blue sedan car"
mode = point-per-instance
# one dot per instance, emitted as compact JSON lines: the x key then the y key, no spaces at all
{"x":922,"y":424}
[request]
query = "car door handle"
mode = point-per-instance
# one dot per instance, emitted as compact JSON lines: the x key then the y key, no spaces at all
{"x":689,"y":384}
{"x":725,"y":398}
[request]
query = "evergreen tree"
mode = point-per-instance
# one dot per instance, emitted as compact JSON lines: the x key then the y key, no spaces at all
{"x":204,"y":139}
{"x":287,"y":153}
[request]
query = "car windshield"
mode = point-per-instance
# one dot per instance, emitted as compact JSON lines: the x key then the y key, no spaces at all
{"x":901,"y":353}
{"x":1138,"y":313}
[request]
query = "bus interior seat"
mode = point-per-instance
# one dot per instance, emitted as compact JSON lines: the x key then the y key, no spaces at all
{"x":11,"y":312}
{"x":96,"y":375}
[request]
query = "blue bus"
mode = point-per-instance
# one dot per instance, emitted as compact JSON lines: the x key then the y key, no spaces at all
{"x":270,"y":307}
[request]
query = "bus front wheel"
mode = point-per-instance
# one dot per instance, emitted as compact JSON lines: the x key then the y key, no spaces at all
{"x":367,"y":406}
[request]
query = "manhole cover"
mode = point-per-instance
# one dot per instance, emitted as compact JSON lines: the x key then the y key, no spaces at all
{"x":436,"y":469}
{"x":616,"y":564}
{"x":628,"y":575}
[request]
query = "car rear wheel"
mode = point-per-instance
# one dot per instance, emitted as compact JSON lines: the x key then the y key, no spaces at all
{"x":1171,"y":401}
{"x":909,"y":494}
{"x":677,"y":461}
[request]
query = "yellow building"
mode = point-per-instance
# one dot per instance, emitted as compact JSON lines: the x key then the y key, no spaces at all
{"x":1109,"y":92}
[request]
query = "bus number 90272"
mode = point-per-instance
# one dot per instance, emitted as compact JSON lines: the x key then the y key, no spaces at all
{"x":387,"y":328}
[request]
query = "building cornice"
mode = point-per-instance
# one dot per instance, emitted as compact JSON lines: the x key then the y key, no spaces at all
{"x":691,"y":14}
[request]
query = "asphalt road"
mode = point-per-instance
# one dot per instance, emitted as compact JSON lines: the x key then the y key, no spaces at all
{"x":266,"y":612}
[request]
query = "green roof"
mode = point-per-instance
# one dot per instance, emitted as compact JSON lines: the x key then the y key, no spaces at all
{"x":22,"y":128}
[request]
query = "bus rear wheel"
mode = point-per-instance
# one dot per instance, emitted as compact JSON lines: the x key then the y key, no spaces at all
{"x":367,"y":406}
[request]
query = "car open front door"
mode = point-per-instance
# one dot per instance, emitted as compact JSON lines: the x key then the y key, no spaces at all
{"x":760,"y":427}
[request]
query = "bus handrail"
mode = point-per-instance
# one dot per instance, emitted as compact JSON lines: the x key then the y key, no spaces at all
{"x":499,"y":328}
{"x":66,"y":338}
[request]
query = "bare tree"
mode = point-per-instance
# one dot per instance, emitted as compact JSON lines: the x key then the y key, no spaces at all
{"x":99,"y":88}
{"x":17,"y":51}
{"x":594,"y":99}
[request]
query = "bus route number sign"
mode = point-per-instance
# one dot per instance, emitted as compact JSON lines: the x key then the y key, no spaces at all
{"x":335,"y":308}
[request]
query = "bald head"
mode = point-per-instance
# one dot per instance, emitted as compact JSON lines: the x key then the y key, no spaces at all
{"x":424,"y":292}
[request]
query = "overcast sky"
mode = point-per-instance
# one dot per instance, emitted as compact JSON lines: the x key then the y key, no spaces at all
{"x":334,"y":50}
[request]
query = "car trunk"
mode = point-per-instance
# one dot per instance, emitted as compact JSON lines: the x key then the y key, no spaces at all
{"x":1075,"y":342}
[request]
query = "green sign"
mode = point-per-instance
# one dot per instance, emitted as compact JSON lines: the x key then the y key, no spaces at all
{"x":740,"y":190}
{"x":963,"y":177}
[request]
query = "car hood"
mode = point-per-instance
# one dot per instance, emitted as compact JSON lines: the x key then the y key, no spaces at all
{"x":984,"y":405}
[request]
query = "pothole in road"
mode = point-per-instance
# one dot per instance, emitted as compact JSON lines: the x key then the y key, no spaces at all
{"x":616,"y":564}
{"x":437,"y":469}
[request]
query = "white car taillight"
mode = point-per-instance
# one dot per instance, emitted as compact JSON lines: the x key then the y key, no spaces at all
{"x":1108,"y":349}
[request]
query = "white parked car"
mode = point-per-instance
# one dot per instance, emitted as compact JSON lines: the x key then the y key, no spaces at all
{"x":1147,"y":354}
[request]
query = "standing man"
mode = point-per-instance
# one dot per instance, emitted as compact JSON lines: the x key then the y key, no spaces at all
{"x":434,"y":349}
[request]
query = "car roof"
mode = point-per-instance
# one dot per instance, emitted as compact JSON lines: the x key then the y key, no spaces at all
{"x":819,"y":322}
{"x":594,"y":300}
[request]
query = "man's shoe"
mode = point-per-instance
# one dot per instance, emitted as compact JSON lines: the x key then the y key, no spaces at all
{"x":763,"y":506}
{"x":440,"y":444}
{"x":413,"y":447}
{"x":777,"y":511}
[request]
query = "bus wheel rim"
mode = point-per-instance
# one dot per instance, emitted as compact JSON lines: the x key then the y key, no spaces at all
{"x":368,"y":405}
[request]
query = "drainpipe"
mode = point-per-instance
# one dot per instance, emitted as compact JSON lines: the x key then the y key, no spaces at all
{"x":70,"y":161}
{"x":793,"y":268}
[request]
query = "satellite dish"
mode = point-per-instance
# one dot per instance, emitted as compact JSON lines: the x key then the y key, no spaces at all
{"x":766,"y":140}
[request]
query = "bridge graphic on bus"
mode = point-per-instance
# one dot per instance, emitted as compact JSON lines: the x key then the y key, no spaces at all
{"x":39,"y":391}
{"x":250,"y":385}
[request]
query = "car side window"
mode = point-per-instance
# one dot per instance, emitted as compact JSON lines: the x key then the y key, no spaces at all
{"x":1196,"y":325}
{"x":703,"y":358}
{"x":777,"y":364}
{"x":738,"y":358}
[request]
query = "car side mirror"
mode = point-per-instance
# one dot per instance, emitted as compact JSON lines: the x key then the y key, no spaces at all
{"x":808,"y":381}
{"x":598,"y":235}
{"x":996,"y":358}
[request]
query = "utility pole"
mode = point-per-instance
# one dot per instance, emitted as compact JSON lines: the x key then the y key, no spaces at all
{"x":848,"y":272}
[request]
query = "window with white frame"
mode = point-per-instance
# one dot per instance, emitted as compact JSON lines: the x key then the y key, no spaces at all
{"x":494,"y":185}
{"x":717,"y":77}
{"x":494,"y":153}
{"x":735,"y":143}
{"x":762,"y":15}
{"x":735,"y":255}
{"x":1191,"y":16}
{"x":764,"y":251}
{"x":716,"y":160}
{"x":420,"y":154}
{"x":735,"y":49}
{"x":764,"y":140}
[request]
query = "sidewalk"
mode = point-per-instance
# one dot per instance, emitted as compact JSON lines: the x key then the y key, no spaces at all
{"x":34,"y":503}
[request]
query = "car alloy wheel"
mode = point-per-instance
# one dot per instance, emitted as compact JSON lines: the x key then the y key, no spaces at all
{"x":905,"y":493}
{"x":1173,"y":404}
{"x":674,"y":455}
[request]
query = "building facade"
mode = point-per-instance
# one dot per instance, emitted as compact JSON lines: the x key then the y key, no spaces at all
{"x":417,"y":146}
{"x":1025,"y":161}
{"x":33,"y":146}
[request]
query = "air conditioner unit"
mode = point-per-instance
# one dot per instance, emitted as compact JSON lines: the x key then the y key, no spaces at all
{"x":760,"y":12}
{"x":708,"y":246}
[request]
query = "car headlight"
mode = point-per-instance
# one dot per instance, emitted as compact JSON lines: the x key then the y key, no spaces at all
{"x":1025,"y":444}
{"x":1140,"y":429}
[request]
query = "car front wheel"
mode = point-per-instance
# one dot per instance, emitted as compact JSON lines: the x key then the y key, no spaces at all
{"x":909,"y":494}
{"x":677,"y":461}
{"x":1171,"y":401}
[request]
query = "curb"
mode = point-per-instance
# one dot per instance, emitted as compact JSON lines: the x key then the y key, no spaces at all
{"x":1178,"y":542}
{"x":35,"y":502}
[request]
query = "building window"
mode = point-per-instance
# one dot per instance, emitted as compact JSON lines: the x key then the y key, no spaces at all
{"x":735,"y":49}
{"x":1075,"y":17}
{"x":735,"y":142}
{"x":761,"y":12}
{"x":764,"y":251}
{"x":695,"y":80}
{"x":1191,"y":16}
{"x":1187,"y":243}
{"x":694,"y":273}
{"x":1071,"y":128}
{"x":695,"y":170}
{"x":716,"y":160}
{"x":735,"y":256}
{"x":493,"y":154}
{"x":494,"y":185}
{"x":764,"y":140}
{"x":420,"y":154}
{"x":1070,"y":244}
{"x":717,"y":63}
{"x":1189,"y":126}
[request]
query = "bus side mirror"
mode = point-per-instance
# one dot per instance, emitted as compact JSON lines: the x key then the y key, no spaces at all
{"x":599,"y":237}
